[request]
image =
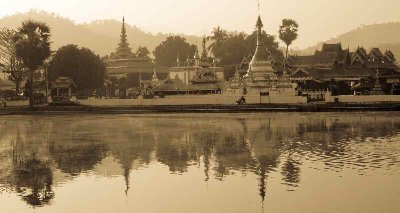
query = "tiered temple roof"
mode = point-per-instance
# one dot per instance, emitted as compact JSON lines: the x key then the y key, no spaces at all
{"x":123,"y":50}
{"x":332,"y":62}
{"x":123,"y":63}
{"x":333,"y":56}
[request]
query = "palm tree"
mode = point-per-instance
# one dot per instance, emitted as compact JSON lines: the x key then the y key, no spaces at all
{"x":32,"y":48}
{"x":9,"y":63}
{"x":288,"y":32}
{"x":218,"y":36}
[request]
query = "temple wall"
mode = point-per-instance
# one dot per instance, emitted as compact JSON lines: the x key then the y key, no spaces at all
{"x":362,"y":98}
{"x":196,"y":100}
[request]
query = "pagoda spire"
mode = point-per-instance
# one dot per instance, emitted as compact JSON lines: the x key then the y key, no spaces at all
{"x":204,"y":54}
{"x":123,"y":49}
{"x":259,"y":26}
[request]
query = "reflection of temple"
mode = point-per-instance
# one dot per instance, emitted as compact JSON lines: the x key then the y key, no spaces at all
{"x":128,"y":70}
{"x":260,"y":144}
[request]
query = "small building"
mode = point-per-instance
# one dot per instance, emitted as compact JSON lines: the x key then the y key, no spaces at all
{"x":6,"y":85}
{"x":170,"y":87}
{"x":7,"y":88}
{"x":63,"y":87}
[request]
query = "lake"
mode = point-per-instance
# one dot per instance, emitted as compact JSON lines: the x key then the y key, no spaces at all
{"x":261,"y":162}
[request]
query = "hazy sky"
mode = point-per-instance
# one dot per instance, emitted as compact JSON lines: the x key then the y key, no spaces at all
{"x":319,"y":19}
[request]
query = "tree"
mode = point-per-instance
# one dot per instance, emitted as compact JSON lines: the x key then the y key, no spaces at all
{"x":167,"y":52}
{"x":8,"y":59}
{"x":235,"y":48}
{"x":81,"y":64}
{"x":218,"y":37}
{"x":269,"y":41}
{"x":288,"y":32}
{"x":32,"y":47}
{"x":143,"y":52}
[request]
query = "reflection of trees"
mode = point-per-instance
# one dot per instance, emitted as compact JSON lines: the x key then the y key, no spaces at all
{"x":233,"y":153}
{"x":33,"y":177}
{"x":175,"y":154}
{"x":77,"y":158}
{"x":291,"y":172}
{"x":128,"y":147}
{"x":73,"y":149}
{"x":33,"y":180}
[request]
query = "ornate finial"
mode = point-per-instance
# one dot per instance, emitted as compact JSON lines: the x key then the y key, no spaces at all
{"x":259,"y":26}
{"x":259,"y":9}
{"x":178,"y":60}
{"x":204,"y":54}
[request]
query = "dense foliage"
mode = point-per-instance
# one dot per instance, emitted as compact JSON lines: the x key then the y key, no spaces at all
{"x":32,"y":47}
{"x":143,"y":52}
{"x":240,"y":45}
{"x":288,"y":32}
{"x":9,"y":63}
{"x":167,"y":52}
{"x":81,"y":64}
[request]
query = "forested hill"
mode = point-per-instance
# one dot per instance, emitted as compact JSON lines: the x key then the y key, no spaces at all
{"x":384,"y":36}
{"x":100,"y":36}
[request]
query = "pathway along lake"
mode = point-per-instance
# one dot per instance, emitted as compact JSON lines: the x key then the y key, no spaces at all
{"x":261,"y":162}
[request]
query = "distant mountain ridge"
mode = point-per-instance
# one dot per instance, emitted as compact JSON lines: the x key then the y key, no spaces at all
{"x":385,"y":36}
{"x":101,"y":36}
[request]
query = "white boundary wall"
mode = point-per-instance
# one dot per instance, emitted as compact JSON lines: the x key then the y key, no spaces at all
{"x":196,"y":100}
{"x":363,"y":98}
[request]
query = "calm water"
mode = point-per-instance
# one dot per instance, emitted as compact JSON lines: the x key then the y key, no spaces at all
{"x":272,"y":162}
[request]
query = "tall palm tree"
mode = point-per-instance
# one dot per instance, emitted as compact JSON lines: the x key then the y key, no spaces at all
{"x":218,"y":36}
{"x":288,"y":32}
{"x":32,"y":44}
{"x":9,"y":63}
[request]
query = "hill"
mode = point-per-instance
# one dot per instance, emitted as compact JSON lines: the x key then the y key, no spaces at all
{"x":385,"y":36}
{"x":101,"y":36}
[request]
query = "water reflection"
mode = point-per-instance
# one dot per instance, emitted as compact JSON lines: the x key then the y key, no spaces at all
{"x":32,"y":174}
{"x":32,"y":148}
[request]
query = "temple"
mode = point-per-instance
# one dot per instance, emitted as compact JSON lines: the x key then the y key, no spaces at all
{"x":126,"y":70}
{"x":343,"y":72}
{"x":260,"y":79}
{"x":200,"y":75}
{"x":186,"y":70}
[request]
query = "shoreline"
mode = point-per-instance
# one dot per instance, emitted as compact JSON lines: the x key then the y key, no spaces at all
{"x":165,"y":109}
